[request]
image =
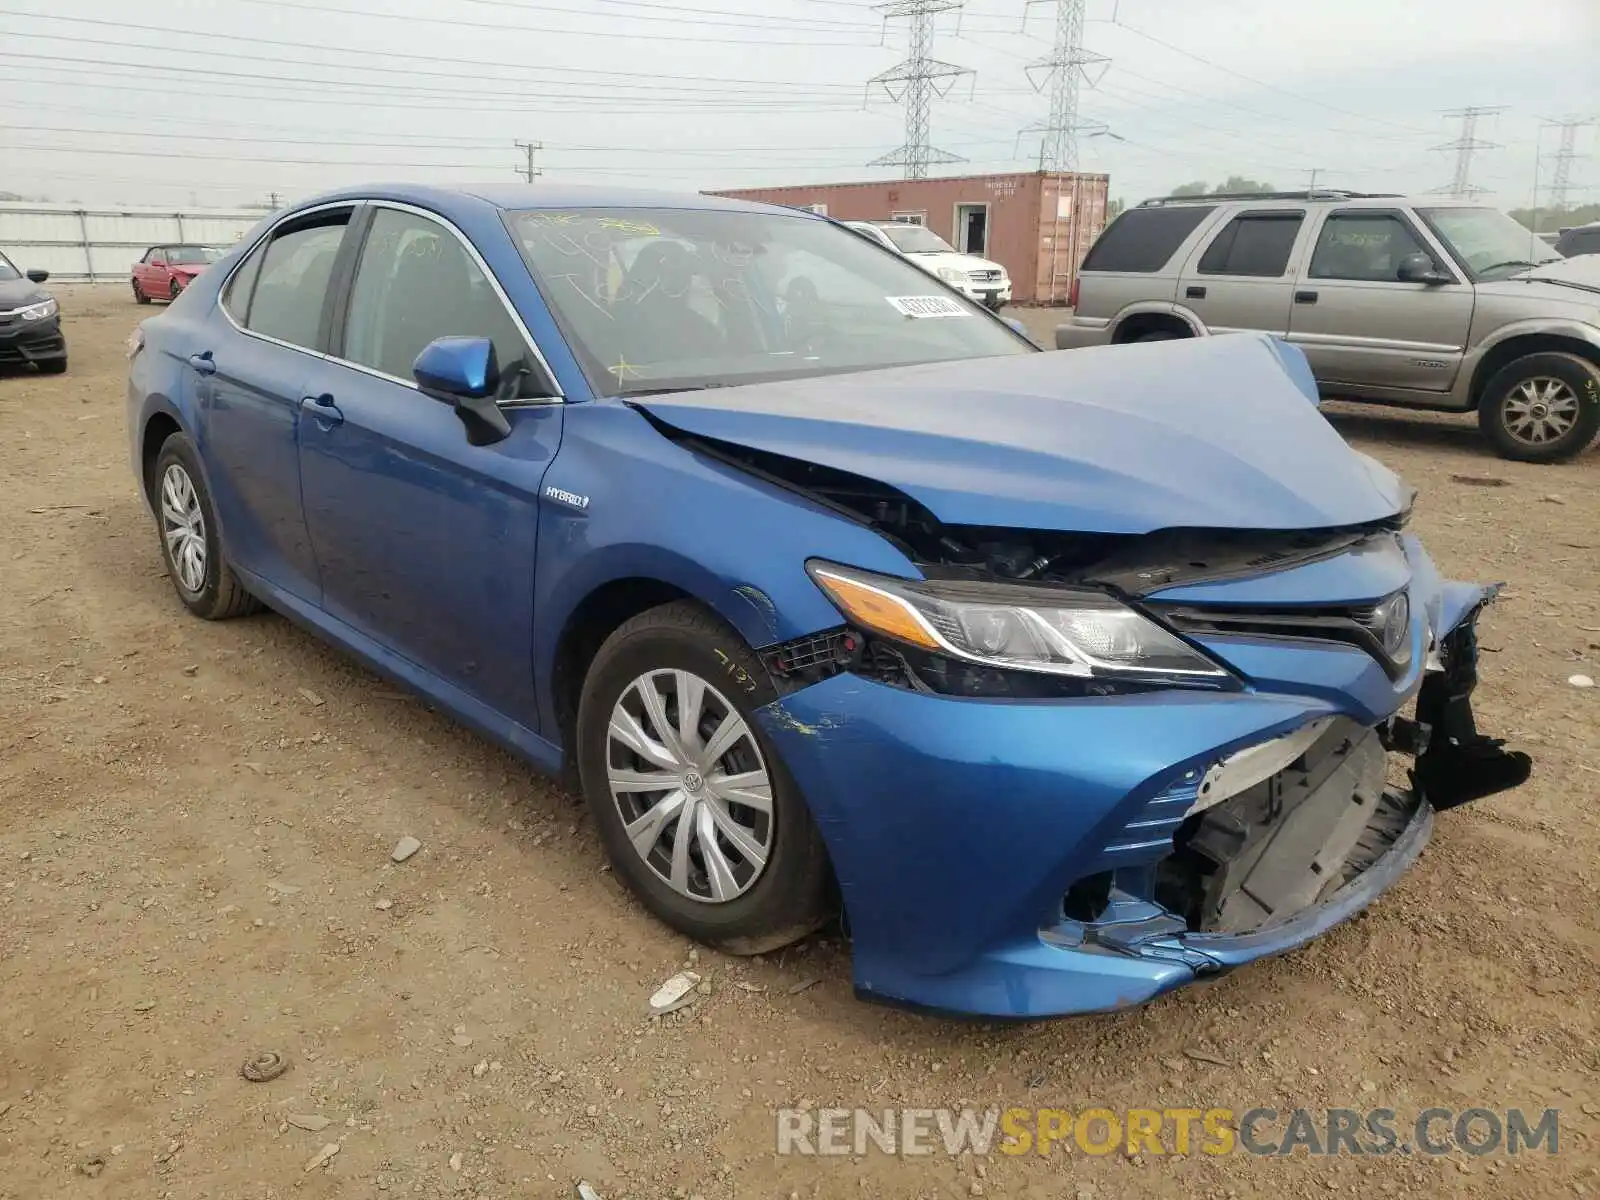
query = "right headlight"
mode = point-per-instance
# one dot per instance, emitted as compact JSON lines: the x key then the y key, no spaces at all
{"x":1052,"y":631}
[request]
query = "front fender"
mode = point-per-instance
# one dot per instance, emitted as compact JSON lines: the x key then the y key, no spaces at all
{"x":622,"y":501}
{"x":1467,"y":379}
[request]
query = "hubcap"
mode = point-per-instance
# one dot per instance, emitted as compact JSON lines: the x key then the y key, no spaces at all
{"x":690,"y":785}
{"x":1538,"y":411}
{"x":183,"y":526}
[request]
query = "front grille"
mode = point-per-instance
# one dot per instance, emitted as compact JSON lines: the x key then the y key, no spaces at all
{"x":985,"y":276}
{"x":1383,"y":630}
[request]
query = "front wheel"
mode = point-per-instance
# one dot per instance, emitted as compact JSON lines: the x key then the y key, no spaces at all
{"x":174,"y":290}
{"x":696,"y":809}
{"x":1542,"y":407}
{"x":190,"y":541}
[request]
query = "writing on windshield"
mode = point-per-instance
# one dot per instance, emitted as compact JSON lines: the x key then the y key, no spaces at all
{"x":662,"y":299}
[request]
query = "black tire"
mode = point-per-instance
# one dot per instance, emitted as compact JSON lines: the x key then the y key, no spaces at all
{"x":220,"y":595}
{"x":794,"y":892}
{"x":1581,"y":376}
{"x":53,"y":366}
{"x":138,"y":294}
{"x":174,"y":290}
{"x":1159,"y":335}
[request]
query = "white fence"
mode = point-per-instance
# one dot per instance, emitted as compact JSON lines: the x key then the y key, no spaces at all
{"x":102,"y":244}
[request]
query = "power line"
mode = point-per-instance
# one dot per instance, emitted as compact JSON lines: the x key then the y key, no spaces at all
{"x":530,"y":172}
{"x":1465,"y":146}
{"x":919,"y":77}
{"x":1561,"y":178}
{"x":1066,"y":66}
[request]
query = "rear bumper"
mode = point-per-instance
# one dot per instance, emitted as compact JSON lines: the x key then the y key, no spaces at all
{"x":958,"y":826}
{"x":23,"y":342}
{"x":1082,"y":331}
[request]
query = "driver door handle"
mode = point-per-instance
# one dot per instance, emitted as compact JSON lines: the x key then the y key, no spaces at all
{"x":1305,"y":297}
{"x":323,"y":410}
{"x":203,"y":363}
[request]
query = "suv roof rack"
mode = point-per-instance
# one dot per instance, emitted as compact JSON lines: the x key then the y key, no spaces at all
{"x":1318,"y":194}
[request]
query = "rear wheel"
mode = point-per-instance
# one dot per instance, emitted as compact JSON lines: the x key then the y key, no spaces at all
{"x":190,"y":541}
{"x":696,"y":809}
{"x":1542,"y":407}
{"x":138,"y":294}
{"x":1158,"y":335}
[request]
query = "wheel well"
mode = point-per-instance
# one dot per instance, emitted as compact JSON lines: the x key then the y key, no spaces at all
{"x":156,"y":431}
{"x":596,"y":617}
{"x":1139,"y":324}
{"x":1512,"y":349}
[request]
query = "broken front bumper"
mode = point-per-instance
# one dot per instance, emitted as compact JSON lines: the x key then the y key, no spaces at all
{"x":1011,"y":858}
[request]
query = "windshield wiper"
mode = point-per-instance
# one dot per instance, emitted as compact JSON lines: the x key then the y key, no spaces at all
{"x":1512,"y":262}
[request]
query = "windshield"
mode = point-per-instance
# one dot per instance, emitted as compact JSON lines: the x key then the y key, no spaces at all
{"x":917,"y":239}
{"x":193,"y":254}
{"x":7,"y":271}
{"x":1492,"y":245}
{"x":674,"y":299}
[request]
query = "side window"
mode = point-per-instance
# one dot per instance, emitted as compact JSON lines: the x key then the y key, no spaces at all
{"x":1363,"y":246}
{"x":149,"y":256}
{"x":1253,"y":244}
{"x":1145,"y":239}
{"x":416,"y":282}
{"x":293,"y":282}
{"x":236,"y":296}
{"x":158,"y":258}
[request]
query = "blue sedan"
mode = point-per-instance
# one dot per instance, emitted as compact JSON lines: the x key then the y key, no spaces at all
{"x":1063,"y":679}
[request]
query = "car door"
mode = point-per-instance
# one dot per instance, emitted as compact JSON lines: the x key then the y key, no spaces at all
{"x":249,"y":379}
{"x":142,"y":271}
{"x":425,"y":543}
{"x":156,"y":277}
{"x":1360,"y":325}
{"x":1240,"y":279}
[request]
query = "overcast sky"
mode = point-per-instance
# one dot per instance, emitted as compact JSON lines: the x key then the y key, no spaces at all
{"x":223,"y":102}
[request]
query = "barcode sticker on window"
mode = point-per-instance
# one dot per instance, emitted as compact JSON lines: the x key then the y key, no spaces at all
{"x":928,"y":306}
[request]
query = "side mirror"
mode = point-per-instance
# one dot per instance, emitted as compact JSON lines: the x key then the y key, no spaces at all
{"x":38,"y":276}
{"x":1420,"y":268}
{"x":464,"y":373}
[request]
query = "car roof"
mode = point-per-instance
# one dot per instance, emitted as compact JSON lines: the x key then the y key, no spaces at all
{"x":545,"y":196}
{"x":1341,"y":198}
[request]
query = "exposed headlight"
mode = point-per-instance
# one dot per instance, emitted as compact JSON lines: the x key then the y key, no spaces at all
{"x":952,"y":275}
{"x":1053,"y":631}
{"x":38,"y":312}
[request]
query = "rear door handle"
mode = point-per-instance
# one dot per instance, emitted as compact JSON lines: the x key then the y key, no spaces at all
{"x":323,"y":410}
{"x":203,"y":363}
{"x":1305,"y":297}
{"x":1196,"y":293}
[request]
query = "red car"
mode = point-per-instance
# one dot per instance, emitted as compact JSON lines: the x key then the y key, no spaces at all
{"x":165,"y":271}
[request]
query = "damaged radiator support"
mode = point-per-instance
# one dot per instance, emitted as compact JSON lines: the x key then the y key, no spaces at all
{"x":1284,"y":843}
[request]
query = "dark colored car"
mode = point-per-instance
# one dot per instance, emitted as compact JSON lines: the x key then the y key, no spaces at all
{"x":1579,"y":240}
{"x":165,"y":271}
{"x":30,"y":321}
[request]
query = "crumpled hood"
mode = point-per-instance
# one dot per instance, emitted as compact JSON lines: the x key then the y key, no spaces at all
{"x":1207,"y":433}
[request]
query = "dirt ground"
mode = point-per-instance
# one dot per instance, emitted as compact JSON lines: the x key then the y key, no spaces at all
{"x":195,"y":826}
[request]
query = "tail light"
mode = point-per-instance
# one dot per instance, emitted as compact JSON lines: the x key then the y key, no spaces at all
{"x":1072,"y":293}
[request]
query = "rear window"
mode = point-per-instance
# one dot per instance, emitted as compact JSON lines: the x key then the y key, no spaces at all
{"x":1145,"y":239}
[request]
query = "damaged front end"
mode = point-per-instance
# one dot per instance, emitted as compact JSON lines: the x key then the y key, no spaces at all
{"x":1278,"y":841}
